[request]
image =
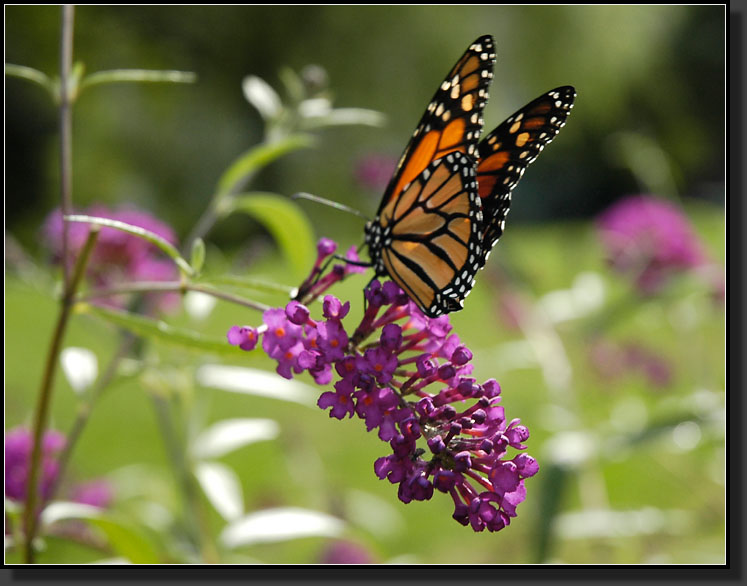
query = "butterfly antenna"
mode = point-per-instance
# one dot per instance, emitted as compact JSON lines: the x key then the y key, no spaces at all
{"x":327,"y":202}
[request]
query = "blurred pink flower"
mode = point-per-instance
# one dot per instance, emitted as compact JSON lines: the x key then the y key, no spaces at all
{"x":118,"y":257}
{"x":374,"y":171}
{"x":345,"y":552}
{"x":612,"y":360}
{"x":650,"y":240}
{"x":18,"y":445}
{"x":97,"y":493}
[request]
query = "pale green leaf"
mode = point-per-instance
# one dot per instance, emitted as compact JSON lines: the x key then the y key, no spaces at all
{"x":164,"y":245}
{"x":287,"y":224}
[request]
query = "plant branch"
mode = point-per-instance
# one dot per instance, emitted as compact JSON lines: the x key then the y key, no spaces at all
{"x":45,"y":394}
{"x":84,"y":410}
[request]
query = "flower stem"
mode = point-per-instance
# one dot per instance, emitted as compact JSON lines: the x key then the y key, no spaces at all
{"x":45,"y":394}
{"x":85,"y":408}
{"x":196,"y":515}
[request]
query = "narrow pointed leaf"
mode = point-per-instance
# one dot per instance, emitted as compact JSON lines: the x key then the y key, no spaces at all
{"x":288,"y":225}
{"x":123,"y":538}
{"x":251,"y":381}
{"x":164,"y":245}
{"x":222,"y":488}
{"x":248,"y":164}
{"x":137,"y":76}
{"x":33,"y":75}
{"x":230,"y":434}
{"x":281,"y":524}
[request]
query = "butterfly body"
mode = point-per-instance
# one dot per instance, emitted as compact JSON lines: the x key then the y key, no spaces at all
{"x":445,"y":205}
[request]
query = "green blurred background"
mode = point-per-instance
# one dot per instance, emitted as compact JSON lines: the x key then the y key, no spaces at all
{"x":649,"y":118}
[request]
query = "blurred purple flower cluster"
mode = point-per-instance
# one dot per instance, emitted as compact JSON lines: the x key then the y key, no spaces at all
{"x":345,"y":552}
{"x":408,"y":377}
{"x":374,"y":171}
{"x":652,"y":240}
{"x":18,"y":446}
{"x":612,"y":360}
{"x":118,"y":257}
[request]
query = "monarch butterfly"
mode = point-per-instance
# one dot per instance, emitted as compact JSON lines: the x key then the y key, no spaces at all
{"x":445,"y":206}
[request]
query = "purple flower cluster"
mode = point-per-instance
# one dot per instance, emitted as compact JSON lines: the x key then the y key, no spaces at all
{"x":18,"y":445}
{"x":408,"y":377}
{"x":118,"y":257}
{"x":651,"y":240}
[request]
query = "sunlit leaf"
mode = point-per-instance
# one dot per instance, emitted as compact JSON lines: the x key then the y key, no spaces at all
{"x":280,"y":525}
{"x":230,"y":434}
{"x":604,"y":523}
{"x":222,"y":487}
{"x":197,"y":258}
{"x":247,"y":165}
{"x":287,"y":223}
{"x":261,"y":95}
{"x":343,"y":117}
{"x":199,"y":305}
{"x":250,"y":381}
{"x":80,"y":366}
{"x":122,"y":537}
{"x":136,"y":76}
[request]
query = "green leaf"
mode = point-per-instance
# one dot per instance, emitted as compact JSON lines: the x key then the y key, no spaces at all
{"x":278,"y":525}
{"x":197,"y":257}
{"x":137,"y":76}
{"x":165,"y":246}
{"x":228,"y":435}
{"x":248,"y":164}
{"x":33,"y":75}
{"x":286,"y":222}
{"x":128,"y":542}
{"x":163,"y":332}
{"x":124,"y":538}
{"x":343,"y":117}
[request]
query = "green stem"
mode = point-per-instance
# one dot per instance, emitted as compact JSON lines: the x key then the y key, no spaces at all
{"x":45,"y":395}
{"x":196,"y":516}
{"x":85,"y":408}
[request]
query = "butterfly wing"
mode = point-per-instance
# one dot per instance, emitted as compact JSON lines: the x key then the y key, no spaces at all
{"x":452,"y":121}
{"x":429,"y":239}
{"x":505,"y":153}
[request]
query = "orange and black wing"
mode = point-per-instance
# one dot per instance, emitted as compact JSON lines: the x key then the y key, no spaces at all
{"x":429,"y":239}
{"x":506,"y":152}
{"x":452,"y":121}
